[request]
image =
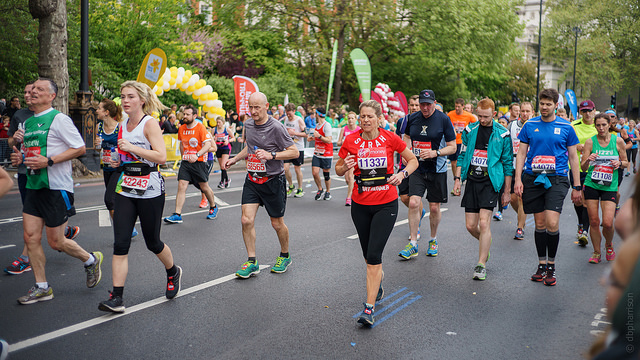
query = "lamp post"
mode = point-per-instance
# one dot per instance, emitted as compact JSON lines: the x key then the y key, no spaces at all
{"x":577,"y":30}
{"x":539,"y":46}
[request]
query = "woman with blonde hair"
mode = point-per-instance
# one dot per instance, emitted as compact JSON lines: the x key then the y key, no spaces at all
{"x":140,"y":190}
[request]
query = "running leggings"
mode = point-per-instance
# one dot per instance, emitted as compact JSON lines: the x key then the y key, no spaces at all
{"x":374,"y":224}
{"x":631,"y":156}
{"x":126,"y":212}
{"x":110,"y":181}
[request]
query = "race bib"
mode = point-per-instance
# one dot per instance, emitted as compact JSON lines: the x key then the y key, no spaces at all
{"x":420,"y":145}
{"x":602,"y":174}
{"x":137,"y":184}
{"x":185,"y":155}
{"x":479,"y":162}
{"x":319,"y":148}
{"x":544,"y":164}
{"x":516,"y":146}
{"x":32,"y":151}
{"x":372,"y":162}
{"x":221,"y":138}
{"x":256,"y":169}
{"x":105,"y":157}
{"x":459,"y":127}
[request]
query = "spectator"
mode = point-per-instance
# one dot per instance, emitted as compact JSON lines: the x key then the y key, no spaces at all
{"x":169,"y":125}
{"x":14,"y":106}
{"x":4,"y":127}
{"x":310,"y":121}
{"x":300,"y":111}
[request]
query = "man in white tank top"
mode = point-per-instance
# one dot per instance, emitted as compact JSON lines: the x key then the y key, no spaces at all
{"x":295,"y":127}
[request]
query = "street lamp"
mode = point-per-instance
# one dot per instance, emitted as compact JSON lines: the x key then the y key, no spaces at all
{"x":539,"y":46}
{"x":577,"y":30}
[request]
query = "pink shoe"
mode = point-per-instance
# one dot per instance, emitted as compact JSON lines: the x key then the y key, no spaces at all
{"x":611,"y":255}
{"x":347,"y":202}
{"x":204,"y":203}
{"x":595,"y":258}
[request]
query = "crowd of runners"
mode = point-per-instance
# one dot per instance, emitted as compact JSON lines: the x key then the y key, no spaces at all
{"x":530,"y":162}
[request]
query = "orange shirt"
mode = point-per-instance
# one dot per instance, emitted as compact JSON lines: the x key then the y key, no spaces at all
{"x":193,"y":139}
{"x":460,"y":122}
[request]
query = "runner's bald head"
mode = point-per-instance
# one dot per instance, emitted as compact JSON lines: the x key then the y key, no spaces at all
{"x":258,"y":106}
{"x":258,"y":98}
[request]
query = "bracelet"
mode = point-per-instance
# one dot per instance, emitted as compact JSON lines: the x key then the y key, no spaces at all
{"x":456,"y":178}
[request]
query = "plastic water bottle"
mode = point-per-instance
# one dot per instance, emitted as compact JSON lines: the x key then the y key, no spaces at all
{"x":255,"y":148}
{"x":115,"y":157}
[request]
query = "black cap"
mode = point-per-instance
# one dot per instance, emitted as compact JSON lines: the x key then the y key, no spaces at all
{"x":427,"y":96}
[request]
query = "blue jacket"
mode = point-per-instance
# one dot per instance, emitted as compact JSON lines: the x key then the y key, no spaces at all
{"x":499,"y":153}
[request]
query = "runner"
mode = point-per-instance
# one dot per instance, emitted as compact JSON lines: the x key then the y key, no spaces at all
{"x":602,"y":155}
{"x":526,"y":111}
{"x":369,"y":153}
{"x":547,"y":146}
{"x":322,"y":155}
{"x":223,"y":138}
{"x":633,"y":152}
{"x":296,"y":129}
{"x":432,"y":136}
{"x":487,"y":164}
{"x":204,"y":203}
{"x":50,"y":142}
{"x":140,"y":191}
{"x":268,"y":144}
{"x":584,"y":130}
{"x":195,"y":142}
{"x":460,"y":119}
{"x":350,"y":128}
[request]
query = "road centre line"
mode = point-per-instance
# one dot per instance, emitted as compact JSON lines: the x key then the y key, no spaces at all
{"x":401,"y":222}
{"x":6,"y":246}
{"x":108,"y":317}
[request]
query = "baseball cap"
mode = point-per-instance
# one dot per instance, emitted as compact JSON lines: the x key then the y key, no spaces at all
{"x":587,"y":105}
{"x":427,"y":96}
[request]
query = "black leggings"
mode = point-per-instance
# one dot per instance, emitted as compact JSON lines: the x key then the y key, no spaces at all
{"x":110,"y":181}
{"x":374,"y":224}
{"x":631,"y":156}
{"x":126,"y":212}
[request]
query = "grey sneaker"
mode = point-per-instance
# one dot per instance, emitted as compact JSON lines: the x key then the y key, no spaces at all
{"x":366,"y":318}
{"x":479,"y":273}
{"x":36,"y":294}
{"x":94,"y":273}
{"x":327,"y":195}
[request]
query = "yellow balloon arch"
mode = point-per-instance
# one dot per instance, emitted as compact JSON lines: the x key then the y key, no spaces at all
{"x":191,"y":84}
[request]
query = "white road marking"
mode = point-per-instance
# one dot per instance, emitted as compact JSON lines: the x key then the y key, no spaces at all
{"x":102,"y":319}
{"x":104,"y":219}
{"x":401,"y":222}
{"x":219,"y":201}
{"x":6,"y":246}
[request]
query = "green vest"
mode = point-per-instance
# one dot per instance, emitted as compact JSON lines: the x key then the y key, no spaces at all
{"x":36,"y":133}
{"x":600,"y":175}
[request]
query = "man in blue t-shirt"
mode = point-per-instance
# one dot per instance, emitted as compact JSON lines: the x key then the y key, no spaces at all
{"x":431,"y":135}
{"x":547,"y":147}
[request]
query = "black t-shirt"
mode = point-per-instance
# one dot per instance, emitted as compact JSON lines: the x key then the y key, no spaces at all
{"x":478,"y":167}
{"x":430,"y":133}
{"x":169,"y":128}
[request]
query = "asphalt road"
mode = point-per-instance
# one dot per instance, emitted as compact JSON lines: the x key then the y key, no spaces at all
{"x":432,"y":308}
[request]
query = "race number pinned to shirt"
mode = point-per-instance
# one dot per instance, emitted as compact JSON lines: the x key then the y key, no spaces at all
{"x":135,"y":184}
{"x":602,"y":173}
{"x":543,"y":164}
{"x":420,"y":145}
{"x":479,"y":162}
{"x":319,"y":148}
{"x":372,"y":163}
{"x":105,"y":156}
{"x":256,"y":169}
{"x":187,"y":153}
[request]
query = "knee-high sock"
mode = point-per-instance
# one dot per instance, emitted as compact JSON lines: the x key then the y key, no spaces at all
{"x":540,"y":236}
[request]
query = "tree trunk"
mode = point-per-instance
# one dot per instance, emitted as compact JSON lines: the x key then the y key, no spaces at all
{"x":52,"y":36}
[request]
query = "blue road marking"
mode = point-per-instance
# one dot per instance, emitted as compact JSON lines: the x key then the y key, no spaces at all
{"x":530,"y":220}
{"x":393,"y":303}
{"x":383,"y":300}
{"x":379,"y":321}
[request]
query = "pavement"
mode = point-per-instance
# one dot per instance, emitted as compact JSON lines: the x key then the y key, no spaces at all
{"x":432,"y":308}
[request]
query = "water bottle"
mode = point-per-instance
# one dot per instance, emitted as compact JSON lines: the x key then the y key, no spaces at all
{"x":255,"y":148}
{"x":115,"y":157}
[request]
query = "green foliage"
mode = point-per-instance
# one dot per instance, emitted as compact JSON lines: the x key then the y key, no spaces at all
{"x":277,"y":86}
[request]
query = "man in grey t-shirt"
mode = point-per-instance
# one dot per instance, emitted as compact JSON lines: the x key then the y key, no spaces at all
{"x":267,"y":144}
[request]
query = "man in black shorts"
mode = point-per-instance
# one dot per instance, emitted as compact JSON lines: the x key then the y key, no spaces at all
{"x":295,"y":127}
{"x":195,"y":142}
{"x":432,"y":138}
{"x":268,"y":144}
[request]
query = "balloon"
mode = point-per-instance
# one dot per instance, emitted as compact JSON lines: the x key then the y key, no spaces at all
{"x":205,"y":108}
{"x":198,"y":92}
{"x":155,"y":88}
{"x":167,"y":75}
{"x":173,"y":86}
{"x":195,"y":78}
{"x":210,"y":115}
{"x":165,"y":86}
{"x":200,"y":101}
{"x":210,"y":103}
{"x":214,"y":96}
{"x":191,"y":88}
{"x":217,"y":103}
{"x":159,"y":92}
{"x":188,"y":92}
{"x":173,"y":70}
{"x":207,"y":90}
{"x":184,"y":87}
{"x":194,"y":97}
{"x":172,"y":81}
{"x":180,"y":72}
{"x":200,"y":84}
{"x":188,"y":74}
{"x":160,"y":82}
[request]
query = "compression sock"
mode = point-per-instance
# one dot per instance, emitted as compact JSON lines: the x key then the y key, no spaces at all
{"x":540,"y":237}
{"x":553,"y":239}
{"x":118,"y":291}
{"x":172,"y":271}
{"x":585,"y":219}
{"x":224,"y":175}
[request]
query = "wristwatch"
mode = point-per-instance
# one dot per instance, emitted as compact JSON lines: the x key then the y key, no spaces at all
{"x":49,"y":161}
{"x":578,"y":188}
{"x":273,"y":155}
{"x":438,"y":152}
{"x":405,"y":174}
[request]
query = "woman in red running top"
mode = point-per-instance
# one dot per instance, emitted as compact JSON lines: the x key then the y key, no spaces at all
{"x":369,"y":152}
{"x":350,"y":128}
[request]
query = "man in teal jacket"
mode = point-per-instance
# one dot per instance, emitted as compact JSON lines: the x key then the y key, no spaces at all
{"x":486,"y":162}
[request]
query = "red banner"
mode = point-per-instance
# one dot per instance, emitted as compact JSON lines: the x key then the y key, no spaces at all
{"x":403,"y":101}
{"x":243,"y":87}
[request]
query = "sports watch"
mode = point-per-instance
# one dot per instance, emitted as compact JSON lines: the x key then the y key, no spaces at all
{"x":273,"y":155}
{"x":49,"y":161}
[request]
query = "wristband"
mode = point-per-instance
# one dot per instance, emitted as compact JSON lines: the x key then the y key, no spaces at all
{"x":578,"y":188}
{"x":456,"y":178}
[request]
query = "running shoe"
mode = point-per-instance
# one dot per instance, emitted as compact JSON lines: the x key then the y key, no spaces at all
{"x":479,"y":272}
{"x":173,"y":284}
{"x":380,"y":289}
{"x":221,"y":185}
{"x":70,"y":232}
{"x":94,"y":272}
{"x":417,"y":237}
{"x":519,"y":234}
{"x":550,"y":276}
{"x":248,"y":269}
{"x":595,"y":258}
{"x":213,"y":213}
{"x":204,"y":204}
{"x":433,"y":248}
{"x":580,"y":230}
{"x":134,"y":233}
{"x":226,"y":183}
{"x":366,"y":317}
{"x":114,"y":304}
{"x":36,"y":294}
{"x":327,"y":196}
{"x":583,"y":238}
{"x":347,"y":202}
{"x":319,"y":195}
{"x":290,"y":190}
{"x":173,"y":219}
{"x":409,"y":251}
{"x":540,"y":273}
{"x":282,"y":264}
{"x":627,"y":174}
{"x":299,"y":193}
{"x":611,"y":255}
{"x":18,"y":267}
{"x":498,"y":215}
